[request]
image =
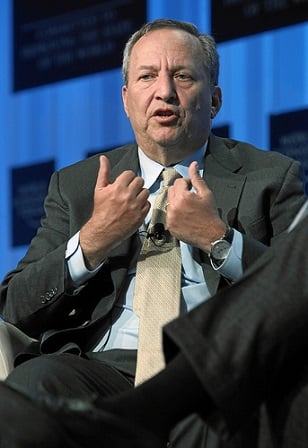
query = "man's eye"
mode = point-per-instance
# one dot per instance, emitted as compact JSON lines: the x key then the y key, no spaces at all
{"x":183,"y":77}
{"x":146,"y":77}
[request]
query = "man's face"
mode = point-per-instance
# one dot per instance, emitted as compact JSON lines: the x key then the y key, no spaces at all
{"x":168,"y":97}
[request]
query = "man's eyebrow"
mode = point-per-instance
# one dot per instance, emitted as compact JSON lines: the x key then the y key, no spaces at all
{"x":173,"y":69}
{"x":146,"y":67}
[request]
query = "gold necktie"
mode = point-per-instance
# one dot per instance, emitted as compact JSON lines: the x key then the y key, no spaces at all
{"x":158,"y":287}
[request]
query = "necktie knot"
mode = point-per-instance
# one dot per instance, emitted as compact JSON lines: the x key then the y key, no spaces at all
{"x":169,"y":175}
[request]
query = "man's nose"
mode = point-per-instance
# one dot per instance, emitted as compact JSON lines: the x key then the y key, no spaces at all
{"x":165,"y":88}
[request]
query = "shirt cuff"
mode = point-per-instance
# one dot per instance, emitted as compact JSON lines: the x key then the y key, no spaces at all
{"x":232,"y":267}
{"x":79,"y":273}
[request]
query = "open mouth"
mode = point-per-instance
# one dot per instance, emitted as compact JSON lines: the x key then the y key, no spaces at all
{"x":165,"y":113}
{"x":166,"y":116}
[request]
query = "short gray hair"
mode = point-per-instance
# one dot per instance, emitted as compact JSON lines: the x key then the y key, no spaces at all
{"x":208,"y":44}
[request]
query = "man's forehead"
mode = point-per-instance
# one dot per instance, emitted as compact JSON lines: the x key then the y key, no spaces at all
{"x":182,"y":45}
{"x":178,"y":36}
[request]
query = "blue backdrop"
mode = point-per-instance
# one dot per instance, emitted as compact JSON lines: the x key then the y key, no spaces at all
{"x":260,"y":75}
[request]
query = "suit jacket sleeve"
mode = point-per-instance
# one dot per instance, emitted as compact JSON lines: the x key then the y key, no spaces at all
{"x":36,"y":296}
{"x":38,"y":282}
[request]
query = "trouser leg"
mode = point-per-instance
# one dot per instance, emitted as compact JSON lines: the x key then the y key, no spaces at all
{"x":70,"y":376}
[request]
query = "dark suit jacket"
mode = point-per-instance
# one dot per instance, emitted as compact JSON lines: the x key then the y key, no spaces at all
{"x":257,"y":192}
{"x":248,"y":347}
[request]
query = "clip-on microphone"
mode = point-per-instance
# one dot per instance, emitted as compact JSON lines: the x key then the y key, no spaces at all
{"x":158,"y":235}
{"x":158,"y":231}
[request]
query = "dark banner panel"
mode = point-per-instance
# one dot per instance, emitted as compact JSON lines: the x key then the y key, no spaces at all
{"x":289,"y":135}
{"x":238,"y":18}
{"x":29,"y":188}
{"x":57,"y":40}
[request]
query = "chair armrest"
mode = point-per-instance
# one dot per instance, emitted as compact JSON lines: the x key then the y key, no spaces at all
{"x":12,"y":341}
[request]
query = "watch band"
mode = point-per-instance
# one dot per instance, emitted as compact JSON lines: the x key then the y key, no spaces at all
{"x":221,"y":247}
{"x":228,"y":235}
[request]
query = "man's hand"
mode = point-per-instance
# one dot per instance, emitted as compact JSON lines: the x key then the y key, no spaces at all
{"x":119,"y":210}
{"x":192,"y":215}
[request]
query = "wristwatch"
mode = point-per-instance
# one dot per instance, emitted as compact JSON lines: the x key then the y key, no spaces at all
{"x":221,"y":248}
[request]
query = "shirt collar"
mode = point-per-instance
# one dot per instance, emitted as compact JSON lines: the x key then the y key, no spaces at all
{"x":150,"y":170}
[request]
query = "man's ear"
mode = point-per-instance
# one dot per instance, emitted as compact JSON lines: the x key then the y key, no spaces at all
{"x":216,"y":101}
{"x":124,"y":99}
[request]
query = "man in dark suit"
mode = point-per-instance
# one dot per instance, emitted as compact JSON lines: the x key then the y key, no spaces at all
{"x":73,"y":290}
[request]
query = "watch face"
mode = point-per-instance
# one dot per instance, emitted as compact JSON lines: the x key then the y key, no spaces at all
{"x":220,"y":250}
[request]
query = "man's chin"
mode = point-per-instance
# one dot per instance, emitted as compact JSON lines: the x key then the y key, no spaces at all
{"x":169,"y":141}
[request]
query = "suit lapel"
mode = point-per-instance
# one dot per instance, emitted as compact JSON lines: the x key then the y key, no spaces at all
{"x":123,"y":159}
{"x":222,"y":175}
